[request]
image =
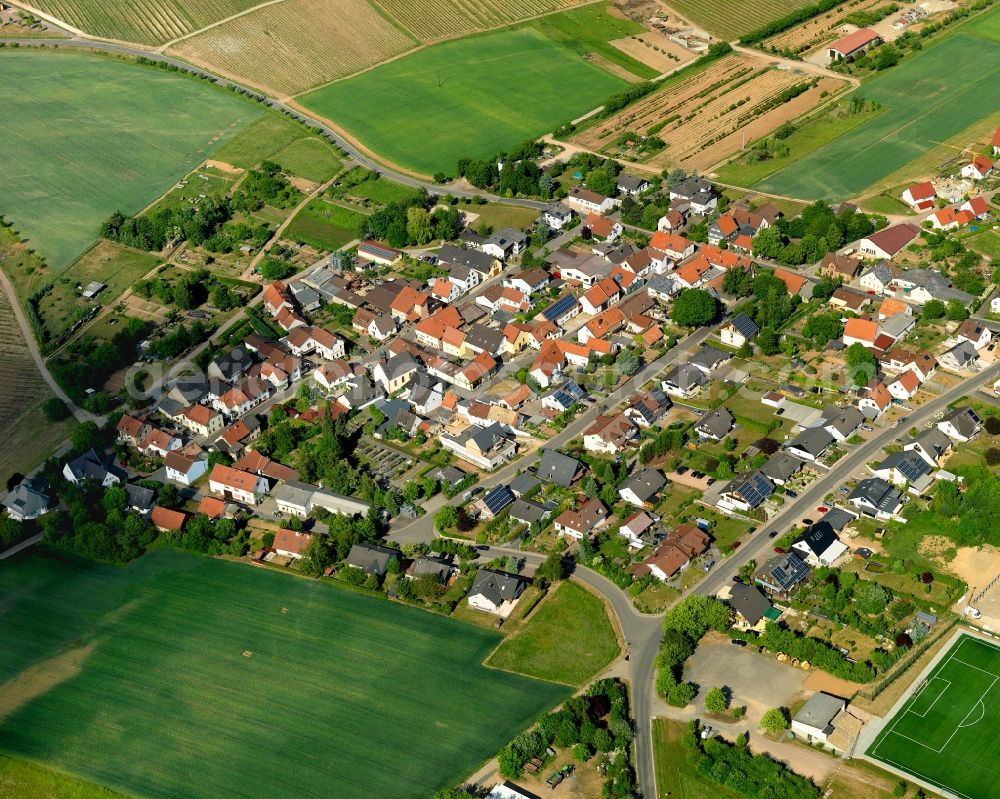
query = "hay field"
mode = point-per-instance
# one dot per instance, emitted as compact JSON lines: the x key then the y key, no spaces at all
{"x":729,"y":20}
{"x":292,"y":46}
{"x":84,"y":136}
{"x":438,"y":19}
{"x":187,"y":676}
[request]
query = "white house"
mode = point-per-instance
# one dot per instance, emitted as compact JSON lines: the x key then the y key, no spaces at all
{"x":557,"y":216}
{"x":978,"y":168}
{"x":588,"y":202}
{"x":819,"y":545}
{"x":495,"y":592}
{"x":976,"y":333}
{"x":960,"y":424}
{"x":233,"y":484}
{"x":814,"y":722}
{"x":920,"y":196}
{"x":184,"y":468}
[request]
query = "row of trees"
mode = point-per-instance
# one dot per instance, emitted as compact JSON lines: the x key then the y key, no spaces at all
{"x":408,"y":222}
{"x":683,"y":627}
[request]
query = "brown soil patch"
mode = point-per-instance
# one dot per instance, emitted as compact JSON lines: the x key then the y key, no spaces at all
{"x":642,"y":47}
{"x":613,"y":68}
{"x":223,"y":166}
{"x":934,"y":546}
{"x":821,"y":681}
{"x":977,"y":567}
{"x":41,"y":678}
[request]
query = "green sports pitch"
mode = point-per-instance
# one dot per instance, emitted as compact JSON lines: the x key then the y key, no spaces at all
{"x":931,"y":96}
{"x":184,"y":676}
{"x":84,"y":136}
{"x":948,"y":732}
{"x":470,"y":97}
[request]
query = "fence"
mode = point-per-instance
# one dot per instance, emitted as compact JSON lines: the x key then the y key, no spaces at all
{"x":986,"y":590}
{"x":904,"y":664}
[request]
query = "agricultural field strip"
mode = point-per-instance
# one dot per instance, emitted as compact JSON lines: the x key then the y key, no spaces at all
{"x":818,"y":29}
{"x":731,"y":20}
{"x":438,"y":19}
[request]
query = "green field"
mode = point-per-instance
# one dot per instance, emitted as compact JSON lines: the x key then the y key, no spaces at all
{"x":731,"y":20}
{"x":309,"y":158}
{"x":928,"y":98}
{"x":676,"y":777}
{"x":20,"y":779}
{"x":948,"y":731}
{"x":568,"y":639}
{"x":470,"y":97}
{"x":324,"y":225}
{"x":186,"y":676}
{"x":84,"y":136}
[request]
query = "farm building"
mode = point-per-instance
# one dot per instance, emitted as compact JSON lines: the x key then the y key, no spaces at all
{"x":853,"y":45}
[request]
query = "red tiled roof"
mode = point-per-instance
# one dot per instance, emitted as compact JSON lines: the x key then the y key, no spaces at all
{"x":792,"y":281}
{"x":291,"y":541}
{"x":166,"y":519}
{"x":233,"y":478}
{"x":923,"y":191}
{"x":212,"y":507}
{"x":854,"y":41}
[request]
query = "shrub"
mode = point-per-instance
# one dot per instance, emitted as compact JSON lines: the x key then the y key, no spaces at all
{"x":775,"y":720}
{"x":992,"y":456}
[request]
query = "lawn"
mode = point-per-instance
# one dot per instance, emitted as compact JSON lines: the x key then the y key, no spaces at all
{"x":186,"y":676}
{"x":309,"y":158}
{"x":25,"y":780}
{"x":948,"y":731}
{"x":85,"y":136}
{"x":568,"y":639}
{"x":927,"y":99}
{"x":498,"y":215}
{"x":324,"y":225}
{"x":470,"y":97}
{"x":987,"y":242}
{"x":675,"y":776}
{"x":381,"y":190}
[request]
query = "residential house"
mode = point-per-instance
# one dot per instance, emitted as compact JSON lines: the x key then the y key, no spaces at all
{"x":631,"y":185}
{"x":975,"y":332}
{"x":585,"y":270}
{"x":372,"y":558}
{"x":486,"y":447}
{"x":411,"y":305}
{"x":875,"y":497}
{"x":166,"y":520}
{"x":201,"y":421}
{"x":977,"y":206}
{"x":139,"y":499}
{"x":879,"y":278}
{"x":684,"y":380}
{"x":441,"y":569}
{"x":609,"y":435}
{"x":781,"y":467}
{"x":673,"y":246}
{"x":430,"y":331}
{"x":527,"y":511}
{"x":752,"y":610}
{"x":848,"y":300}
{"x":738,"y":330}
{"x":93,"y":468}
{"x":932,"y":445}
{"x":875,"y":401}
{"x":746,"y":493}
{"x":951,"y":218}
{"x":905,"y":468}
{"x":634,"y":526}
{"x":580,"y":522}
{"x":495,"y":591}
{"x":185,"y":466}
{"x":600,"y":296}
{"x":960,"y":424}
{"x":923,"y":364}
{"x":395,"y":373}
{"x":559,"y":469}
{"x":528,"y":281}
{"x":675,"y":553}
{"x":557,"y":216}
{"x":562,"y":310}
{"x":811,"y":443}
{"x":962,"y":356}
{"x":503,"y":298}
{"x":886,"y":243}
{"x":590,"y":202}
{"x":978,"y":168}
{"x":602,"y":228}
{"x":819,"y":545}
{"x":699,"y":193}
{"x":858,"y":330}
{"x":641,"y":487}
{"x":483,"y":264}
{"x":646,"y":409}
{"x":563,"y":398}
{"x":839,"y":266}
{"x":333,"y":375}
{"x":379,"y":253}
{"x":236,"y":485}
{"x":291,"y":543}
{"x":781,"y":574}
{"x":131,"y":430}
{"x":27,"y":500}
{"x":996,"y":142}
{"x":256,"y":463}
{"x":445,"y":290}
{"x":842,"y":423}
{"x":708,"y":358}
{"x":920,"y":196}
{"x":715,"y":425}
{"x":494,"y":501}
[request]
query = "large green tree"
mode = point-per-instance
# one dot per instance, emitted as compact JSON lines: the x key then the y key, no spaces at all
{"x":694,"y":308}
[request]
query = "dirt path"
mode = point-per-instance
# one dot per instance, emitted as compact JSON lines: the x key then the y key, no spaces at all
{"x":230,"y":18}
{"x":36,"y":355}
{"x":798,"y":66}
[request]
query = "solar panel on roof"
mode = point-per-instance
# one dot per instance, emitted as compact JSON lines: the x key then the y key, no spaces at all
{"x":559,"y":307}
{"x":498,"y":499}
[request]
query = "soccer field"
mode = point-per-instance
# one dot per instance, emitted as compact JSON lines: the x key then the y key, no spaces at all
{"x":470,"y":97}
{"x":928,"y":98}
{"x":183,"y":676}
{"x":948,"y":732}
{"x":84,"y":136}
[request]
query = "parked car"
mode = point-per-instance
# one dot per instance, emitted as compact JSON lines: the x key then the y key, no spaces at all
{"x":711,"y":481}
{"x":866,"y":427}
{"x":791,"y":494}
{"x":737,"y":642}
{"x":844,"y":490}
{"x":822,"y":509}
{"x":773,"y":534}
{"x":807,"y":522}
{"x":681,"y":469}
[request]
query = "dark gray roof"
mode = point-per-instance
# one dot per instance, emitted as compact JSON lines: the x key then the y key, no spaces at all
{"x":752,"y":489}
{"x":781,"y":466}
{"x":88,"y":466}
{"x":28,"y":498}
{"x":474,"y":259}
{"x":813,"y":440}
{"x":716,"y":423}
{"x":528,"y":511}
{"x":487,"y":437}
{"x":750,"y":603}
{"x":448,"y":475}
{"x":645,"y":484}
{"x":692,"y":187}
{"x":558,"y":210}
{"x":744,"y":325}
{"x":436,"y":567}
{"x":844,"y":420}
{"x":908,"y":463}
{"x":484,"y":338}
{"x":820,"y":711}
{"x":818,"y":538}
{"x":933,"y":441}
{"x":784,"y":571}
{"x":708,"y":357}
{"x":878,"y":493}
{"x":140,"y":498}
{"x":558,"y":468}
{"x":399,"y":365}
{"x":685,"y":376}
{"x":838,"y":518}
{"x":498,"y":498}
{"x":964,"y":353}
{"x":963,"y":419}
{"x":497,"y":586}
{"x":372,"y":558}
{"x":524,"y":483}
{"x":631,"y":182}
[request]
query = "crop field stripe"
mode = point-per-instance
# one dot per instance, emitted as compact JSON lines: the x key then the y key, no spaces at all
{"x":469,"y":97}
{"x":922,"y":105}
{"x":179,"y":665}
